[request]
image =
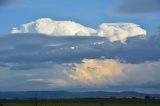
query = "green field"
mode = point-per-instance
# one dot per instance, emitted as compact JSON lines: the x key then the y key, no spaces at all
{"x":82,"y":102}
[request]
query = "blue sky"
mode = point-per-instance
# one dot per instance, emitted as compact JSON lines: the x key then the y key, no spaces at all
{"x":90,"y":13}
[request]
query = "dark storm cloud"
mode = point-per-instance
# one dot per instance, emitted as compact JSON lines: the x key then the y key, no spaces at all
{"x":27,"y":51}
{"x":139,"y":6}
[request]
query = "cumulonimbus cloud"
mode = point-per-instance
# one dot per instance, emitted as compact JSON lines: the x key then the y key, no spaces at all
{"x":112,"y":31}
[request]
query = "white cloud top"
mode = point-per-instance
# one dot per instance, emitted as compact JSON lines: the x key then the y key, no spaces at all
{"x":51,"y":27}
{"x":112,"y":31}
{"x":120,"y":31}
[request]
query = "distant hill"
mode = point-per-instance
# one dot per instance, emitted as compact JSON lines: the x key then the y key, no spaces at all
{"x":65,"y":95}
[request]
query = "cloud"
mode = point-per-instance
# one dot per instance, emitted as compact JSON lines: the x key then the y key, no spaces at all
{"x":95,"y":72}
{"x":51,"y":27}
{"x":53,"y":83}
{"x":120,"y":31}
{"x":109,"y":72}
{"x":112,"y":31}
{"x":139,"y":6}
{"x":46,"y":78}
{"x":28,"y":51}
{"x":35,"y":61}
{"x":90,"y":74}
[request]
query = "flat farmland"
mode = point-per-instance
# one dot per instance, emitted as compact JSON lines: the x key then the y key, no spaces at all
{"x":81,"y":102}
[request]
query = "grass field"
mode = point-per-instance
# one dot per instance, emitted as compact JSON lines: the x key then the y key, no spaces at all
{"x":81,"y":102}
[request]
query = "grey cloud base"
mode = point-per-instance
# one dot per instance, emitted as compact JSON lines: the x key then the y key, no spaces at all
{"x":36,"y":48}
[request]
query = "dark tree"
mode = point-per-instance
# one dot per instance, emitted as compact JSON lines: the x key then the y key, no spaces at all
{"x":147,"y":97}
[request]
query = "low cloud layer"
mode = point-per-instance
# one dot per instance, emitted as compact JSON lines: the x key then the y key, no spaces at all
{"x":90,"y":74}
{"x":109,"y":72}
{"x":112,"y":31}
{"x":97,"y":72}
{"x":139,"y":6}
{"x":39,"y":62}
{"x":27,"y":50}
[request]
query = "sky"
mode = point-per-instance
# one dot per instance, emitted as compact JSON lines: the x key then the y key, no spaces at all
{"x":89,"y":13}
{"x":80,"y":45}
